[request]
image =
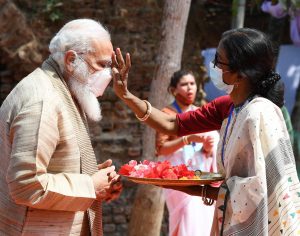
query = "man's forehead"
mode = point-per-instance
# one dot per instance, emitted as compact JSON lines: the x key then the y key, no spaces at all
{"x":102,"y":50}
{"x":104,"y":46}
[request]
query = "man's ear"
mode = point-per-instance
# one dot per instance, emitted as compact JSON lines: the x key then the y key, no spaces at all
{"x":69,"y":59}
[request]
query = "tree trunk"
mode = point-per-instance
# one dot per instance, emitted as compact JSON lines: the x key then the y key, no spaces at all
{"x":147,"y":212}
{"x":238,"y":13}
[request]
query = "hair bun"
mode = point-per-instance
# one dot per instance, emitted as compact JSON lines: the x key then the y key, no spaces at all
{"x":270,"y":80}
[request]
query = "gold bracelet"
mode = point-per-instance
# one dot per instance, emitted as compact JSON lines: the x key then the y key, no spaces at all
{"x":148,"y":112}
{"x":185,"y":140}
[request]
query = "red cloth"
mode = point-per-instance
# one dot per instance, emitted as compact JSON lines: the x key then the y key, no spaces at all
{"x":206,"y":118}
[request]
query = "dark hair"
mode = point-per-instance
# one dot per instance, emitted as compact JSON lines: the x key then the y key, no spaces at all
{"x":250,"y":53}
{"x":177,"y":76}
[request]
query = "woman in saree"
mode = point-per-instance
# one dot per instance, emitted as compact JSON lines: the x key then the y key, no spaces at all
{"x":260,"y":194}
{"x":188,"y":215}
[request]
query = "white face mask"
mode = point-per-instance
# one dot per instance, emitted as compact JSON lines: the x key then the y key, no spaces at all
{"x":99,"y":80}
{"x":216,"y":75}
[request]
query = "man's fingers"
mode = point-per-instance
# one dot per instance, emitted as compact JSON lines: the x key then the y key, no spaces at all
{"x":113,"y":192}
{"x":117,"y":186}
{"x":105,"y":164}
{"x":116,"y":178}
{"x":112,"y":175}
{"x":109,"y":169}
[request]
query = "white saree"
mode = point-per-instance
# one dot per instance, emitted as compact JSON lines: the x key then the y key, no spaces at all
{"x":261,"y":191}
{"x":188,"y":216}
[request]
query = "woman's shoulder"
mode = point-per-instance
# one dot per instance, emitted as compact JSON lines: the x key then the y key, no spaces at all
{"x":260,"y":106}
{"x":262,"y":103}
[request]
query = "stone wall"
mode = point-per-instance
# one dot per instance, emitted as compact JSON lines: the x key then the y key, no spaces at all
{"x":135,"y":28}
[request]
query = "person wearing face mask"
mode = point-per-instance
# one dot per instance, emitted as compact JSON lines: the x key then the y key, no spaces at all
{"x":50,"y":181}
{"x":187,"y":214}
{"x":260,"y":194}
{"x":216,"y":75}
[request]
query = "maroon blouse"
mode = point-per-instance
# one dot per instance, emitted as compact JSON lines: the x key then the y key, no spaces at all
{"x":206,"y":118}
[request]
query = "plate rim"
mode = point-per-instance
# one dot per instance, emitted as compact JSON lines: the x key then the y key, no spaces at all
{"x":176,"y":182}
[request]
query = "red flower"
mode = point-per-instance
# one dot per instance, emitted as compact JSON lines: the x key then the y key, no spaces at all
{"x":169,"y":174}
{"x":160,"y":170}
{"x":161,"y":167}
{"x":182,"y":171}
{"x":128,"y":168}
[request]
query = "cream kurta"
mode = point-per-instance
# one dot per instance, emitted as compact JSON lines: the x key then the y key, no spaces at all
{"x":42,"y":190}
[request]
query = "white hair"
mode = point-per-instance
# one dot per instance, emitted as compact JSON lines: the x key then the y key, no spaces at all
{"x":76,"y":35}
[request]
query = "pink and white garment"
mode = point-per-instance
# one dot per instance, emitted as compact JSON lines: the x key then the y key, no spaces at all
{"x":188,"y":216}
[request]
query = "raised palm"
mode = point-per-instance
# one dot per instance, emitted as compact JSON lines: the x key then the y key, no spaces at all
{"x":120,"y":69}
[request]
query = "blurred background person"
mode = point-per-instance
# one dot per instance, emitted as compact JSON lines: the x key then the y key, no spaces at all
{"x":187,"y":214}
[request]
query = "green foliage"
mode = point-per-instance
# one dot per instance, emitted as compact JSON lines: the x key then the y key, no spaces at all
{"x":52,"y":9}
{"x":234,"y":7}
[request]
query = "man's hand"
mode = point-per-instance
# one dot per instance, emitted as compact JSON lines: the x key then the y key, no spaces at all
{"x":104,"y":179}
{"x":107,"y":182}
{"x":120,"y":70}
{"x":115,"y":189}
{"x":116,"y":186}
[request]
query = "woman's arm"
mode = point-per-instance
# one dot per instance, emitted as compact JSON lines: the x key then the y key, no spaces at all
{"x":167,"y":147}
{"x":209,"y":117}
{"x":157,"y":119}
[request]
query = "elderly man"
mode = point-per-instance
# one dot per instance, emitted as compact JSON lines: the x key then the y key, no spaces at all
{"x":50,"y":182}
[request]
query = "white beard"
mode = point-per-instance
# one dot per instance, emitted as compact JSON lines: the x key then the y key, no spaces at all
{"x":80,"y":90}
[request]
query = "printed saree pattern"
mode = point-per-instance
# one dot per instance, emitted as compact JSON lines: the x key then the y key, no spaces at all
{"x":261,"y":192}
